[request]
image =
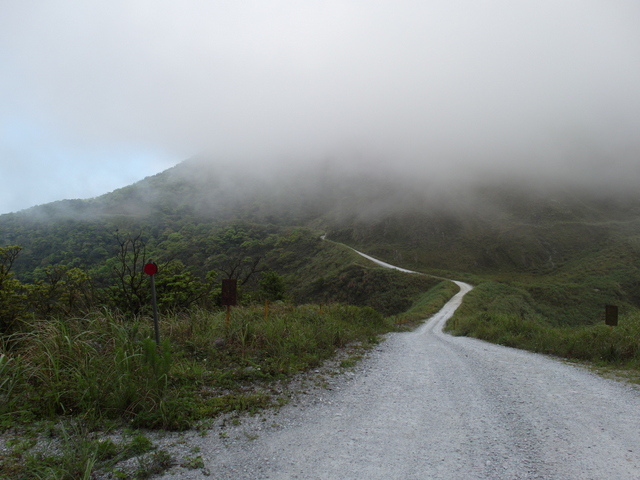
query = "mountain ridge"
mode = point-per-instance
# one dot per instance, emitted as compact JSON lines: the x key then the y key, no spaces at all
{"x":361,"y":209}
{"x":503,"y":231}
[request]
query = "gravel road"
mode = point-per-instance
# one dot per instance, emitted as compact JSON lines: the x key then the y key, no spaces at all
{"x":425,"y":405}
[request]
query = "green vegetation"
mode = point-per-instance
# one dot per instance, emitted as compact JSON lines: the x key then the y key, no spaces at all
{"x":102,"y":370}
{"x":511,"y":316}
{"x":75,"y":339}
{"x":107,"y":367}
{"x":75,"y":304}
{"x":562,"y":312}
{"x":544,"y":267}
{"x":270,"y":263}
{"x":388,"y":291}
{"x":427,"y":304}
{"x":71,"y":452}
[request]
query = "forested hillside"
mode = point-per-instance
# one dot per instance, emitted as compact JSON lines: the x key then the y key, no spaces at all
{"x":73,"y":256}
{"x":572,"y":250}
{"x":75,"y":302}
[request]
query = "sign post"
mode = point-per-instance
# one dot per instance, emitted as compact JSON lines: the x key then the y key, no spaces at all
{"x":151,"y":269}
{"x":229,"y":295}
{"x":611,"y":315}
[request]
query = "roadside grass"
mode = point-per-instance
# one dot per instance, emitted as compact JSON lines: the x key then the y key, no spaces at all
{"x":107,"y":368}
{"x":69,"y":451}
{"x":102,"y":373}
{"x":426,"y":305}
{"x":359,"y":283}
{"x":510,"y":316}
{"x":66,"y":383}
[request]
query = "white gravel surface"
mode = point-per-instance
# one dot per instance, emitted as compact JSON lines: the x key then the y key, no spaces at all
{"x":425,"y":405}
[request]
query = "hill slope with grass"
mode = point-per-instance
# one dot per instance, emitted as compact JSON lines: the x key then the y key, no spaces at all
{"x":571,"y":249}
{"x":544,"y":263}
{"x":561,"y":252}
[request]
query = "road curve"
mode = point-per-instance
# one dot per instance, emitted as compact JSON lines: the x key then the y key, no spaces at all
{"x":425,"y":405}
{"x":436,"y":323}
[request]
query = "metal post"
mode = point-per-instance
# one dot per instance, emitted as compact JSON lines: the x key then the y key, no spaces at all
{"x":154,"y":304}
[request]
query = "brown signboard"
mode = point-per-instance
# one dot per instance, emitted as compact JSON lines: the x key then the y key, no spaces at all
{"x":611,"y":315}
{"x":230,"y":292}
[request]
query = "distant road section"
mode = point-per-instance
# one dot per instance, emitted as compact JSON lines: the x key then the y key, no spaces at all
{"x":384,"y":264}
{"x":426,"y":405}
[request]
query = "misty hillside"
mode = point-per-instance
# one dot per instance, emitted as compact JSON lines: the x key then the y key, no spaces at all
{"x":499,"y":231}
{"x":477,"y":228}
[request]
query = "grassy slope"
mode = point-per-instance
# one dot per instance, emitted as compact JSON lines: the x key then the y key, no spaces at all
{"x":544,"y":271}
{"x":570,"y":268}
{"x":558,"y":256}
{"x":504,"y":314}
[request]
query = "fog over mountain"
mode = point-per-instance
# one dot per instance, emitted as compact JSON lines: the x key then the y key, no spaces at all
{"x":446,"y":92}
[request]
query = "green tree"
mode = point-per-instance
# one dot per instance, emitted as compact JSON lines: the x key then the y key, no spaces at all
{"x":12,"y":292}
{"x":130,"y":294}
{"x":240,"y":256}
{"x":178,"y":288}
{"x":62,"y":290}
{"x":272,"y":286}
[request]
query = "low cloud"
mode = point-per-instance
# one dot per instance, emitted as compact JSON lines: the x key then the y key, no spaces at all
{"x":450,"y":90}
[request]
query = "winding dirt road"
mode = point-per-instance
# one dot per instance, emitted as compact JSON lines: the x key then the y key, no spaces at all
{"x":425,"y":405}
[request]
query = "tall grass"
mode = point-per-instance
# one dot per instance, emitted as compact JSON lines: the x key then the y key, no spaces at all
{"x":427,"y":304}
{"x":104,"y":367}
{"x":507,"y":316}
{"x":98,"y":364}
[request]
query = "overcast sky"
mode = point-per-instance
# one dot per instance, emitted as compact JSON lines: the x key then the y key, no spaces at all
{"x":96,"y":95}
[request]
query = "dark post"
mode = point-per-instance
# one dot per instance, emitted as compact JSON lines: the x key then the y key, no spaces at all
{"x":229,"y":295}
{"x":611,"y":315}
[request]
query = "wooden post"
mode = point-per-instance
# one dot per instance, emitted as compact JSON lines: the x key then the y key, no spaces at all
{"x":611,"y":315}
{"x":229,"y":296}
